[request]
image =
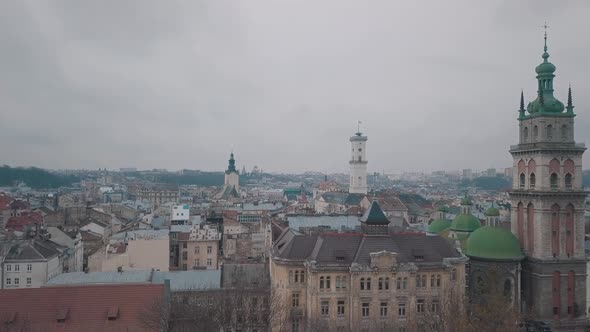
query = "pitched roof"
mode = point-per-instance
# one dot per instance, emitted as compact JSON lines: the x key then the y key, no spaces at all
{"x":344,"y":249}
{"x":25,"y":219}
{"x":374,"y":215}
{"x":82,"y":308}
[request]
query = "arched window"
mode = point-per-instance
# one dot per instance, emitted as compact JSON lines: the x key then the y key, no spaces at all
{"x":438,"y":281}
{"x":569,"y":230}
{"x":526,"y":134}
{"x":554,"y":181}
{"x":568,"y":181}
{"x":302,"y":277}
{"x":530,"y":225}
{"x":535,"y":132}
{"x":368,"y":284}
{"x":522,"y":181}
{"x":296,"y":276}
{"x":291,"y":277}
{"x":556,"y":294}
{"x":520,"y":223}
{"x":555,"y":230}
{"x":432,"y":280}
{"x":564,"y":132}
{"x":508,"y":288}
{"x":405,"y":283}
{"x":549,"y":132}
{"x":424,"y":280}
{"x":362,"y":283}
{"x":399,"y":283}
{"x":532,"y":181}
{"x":321,"y":282}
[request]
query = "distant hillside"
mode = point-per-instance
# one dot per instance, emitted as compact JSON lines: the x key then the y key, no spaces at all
{"x":34,"y":177}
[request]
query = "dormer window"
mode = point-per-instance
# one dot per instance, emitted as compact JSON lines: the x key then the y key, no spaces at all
{"x":62,"y":314}
{"x":113,"y":313}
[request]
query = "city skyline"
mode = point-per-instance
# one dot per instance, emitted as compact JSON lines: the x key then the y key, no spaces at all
{"x":180,"y":88}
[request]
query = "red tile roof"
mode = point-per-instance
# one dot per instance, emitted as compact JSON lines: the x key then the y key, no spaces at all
{"x":26,"y":218}
{"x":79,"y":308}
{"x":5,"y":200}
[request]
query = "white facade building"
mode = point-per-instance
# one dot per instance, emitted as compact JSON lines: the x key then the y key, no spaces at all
{"x":180,"y":213}
{"x":358,"y":165}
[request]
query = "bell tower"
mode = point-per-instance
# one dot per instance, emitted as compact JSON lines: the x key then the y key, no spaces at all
{"x":358,"y":164}
{"x":548,"y":201}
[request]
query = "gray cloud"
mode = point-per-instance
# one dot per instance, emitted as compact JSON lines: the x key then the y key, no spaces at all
{"x":282,"y":83}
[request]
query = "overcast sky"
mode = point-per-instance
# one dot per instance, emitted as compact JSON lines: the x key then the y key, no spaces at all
{"x":166,"y":84}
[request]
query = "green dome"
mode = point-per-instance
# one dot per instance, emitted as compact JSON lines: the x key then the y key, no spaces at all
{"x":492,"y":212}
{"x":465,"y":223}
{"x":439,"y":225}
{"x":546,"y":67}
{"x":494,"y":243}
{"x":550,"y":105}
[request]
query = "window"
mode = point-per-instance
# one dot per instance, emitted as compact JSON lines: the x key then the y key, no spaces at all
{"x":532,"y":181}
{"x":526,"y":134}
{"x":568,"y":182}
{"x":438,"y":280}
{"x":405,"y":283}
{"x":341,"y":282}
{"x":401,"y":310}
{"x":29,"y":267}
{"x":197,"y":250}
{"x":322,"y":283}
{"x":564,"y":132}
{"x":325,"y":306}
{"x":535,"y":132}
{"x":380,"y":283}
{"x":432,"y":280}
{"x":362,"y":283}
{"x":383,"y":283}
{"x":435,"y":306}
{"x":398,"y":284}
{"x":522,"y":180}
{"x":8,"y":268}
{"x":340,"y":307}
{"x":295,"y":300}
{"x":454,"y":274}
{"x":368,"y":284}
{"x":209,"y":249}
{"x":328,"y":282}
{"x":553,"y":180}
{"x":383,"y":309}
{"x":365,"y":309}
{"x":302,"y":276}
{"x":197,"y":262}
{"x":184,"y":255}
{"x":209,"y":261}
{"x":8,"y":281}
{"x":423,"y":281}
{"x":549,"y":132}
{"x":290,"y":276}
{"x":296,"y":276}
{"x":29,"y":281}
{"x":295,"y":325}
{"x":184,"y":267}
{"x":420,"y":306}
{"x":183,"y":245}
{"x":16,"y":268}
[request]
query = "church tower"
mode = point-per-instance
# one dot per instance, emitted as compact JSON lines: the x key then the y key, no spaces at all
{"x":547,"y":213}
{"x":358,"y":164}
{"x":232,"y":178}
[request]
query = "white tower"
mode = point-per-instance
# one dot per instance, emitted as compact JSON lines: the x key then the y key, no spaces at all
{"x":358,"y":164}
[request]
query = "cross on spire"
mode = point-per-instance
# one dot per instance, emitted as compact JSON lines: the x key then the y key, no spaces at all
{"x":545,"y":27}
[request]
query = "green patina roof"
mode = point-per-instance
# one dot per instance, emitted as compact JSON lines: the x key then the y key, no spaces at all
{"x":374,"y":215}
{"x":492,"y":212}
{"x":465,"y":223}
{"x":443,"y":208}
{"x":439,"y":225}
{"x":494,"y":243}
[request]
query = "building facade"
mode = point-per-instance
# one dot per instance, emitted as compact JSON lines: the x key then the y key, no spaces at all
{"x":365,"y":281}
{"x":548,"y":204}
{"x":358,"y":164}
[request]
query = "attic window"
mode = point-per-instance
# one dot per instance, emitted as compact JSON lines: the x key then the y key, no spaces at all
{"x":113,"y":313}
{"x":418,"y":255}
{"x":62,"y":314}
{"x":10,"y":318}
{"x":340,"y":255}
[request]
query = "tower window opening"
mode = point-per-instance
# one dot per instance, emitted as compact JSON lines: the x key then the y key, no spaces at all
{"x":526,"y":134}
{"x":568,"y":181}
{"x":564,"y":132}
{"x":360,"y":158}
{"x":522,"y":180}
{"x":549,"y":132}
{"x":535,"y":132}
{"x":532,"y":181}
{"x":553,"y":181}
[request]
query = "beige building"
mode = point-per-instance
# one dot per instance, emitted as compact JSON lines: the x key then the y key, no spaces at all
{"x":365,"y":281}
{"x":133,"y":250}
{"x":199,"y":248}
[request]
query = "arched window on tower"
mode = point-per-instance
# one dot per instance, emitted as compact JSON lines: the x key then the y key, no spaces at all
{"x":568,"y":181}
{"x":525,"y":134}
{"x":520,"y":223}
{"x":522,"y":180}
{"x":530,"y":227}
{"x":555,"y":230}
{"x":564,"y":132}
{"x":556,"y":294}
{"x":569,"y":230}
{"x":535,"y":132}
{"x":508,"y":288}
{"x":532,"y":181}
{"x":549,"y":132}
{"x":554,"y":181}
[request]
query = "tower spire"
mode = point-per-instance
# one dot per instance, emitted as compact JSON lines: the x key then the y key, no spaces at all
{"x":570,"y":105}
{"x":545,"y":54}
